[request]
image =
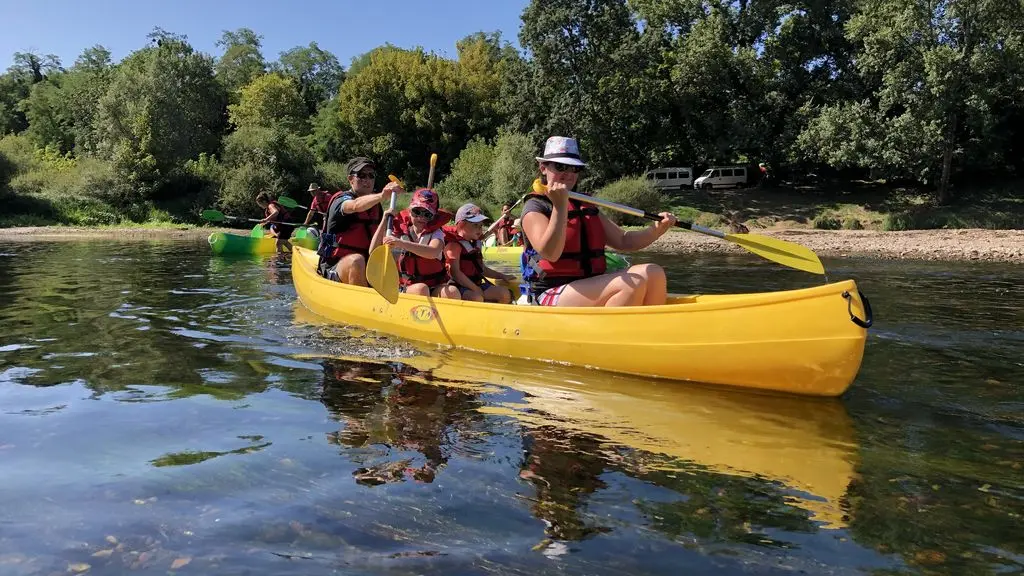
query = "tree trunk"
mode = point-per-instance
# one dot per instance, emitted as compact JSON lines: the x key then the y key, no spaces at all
{"x":947,"y":160}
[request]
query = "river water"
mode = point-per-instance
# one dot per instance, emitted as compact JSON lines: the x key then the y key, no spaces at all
{"x":165,"y":410}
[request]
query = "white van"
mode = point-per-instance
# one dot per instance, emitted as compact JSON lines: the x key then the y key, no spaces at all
{"x":670,"y":178}
{"x":722,"y":176}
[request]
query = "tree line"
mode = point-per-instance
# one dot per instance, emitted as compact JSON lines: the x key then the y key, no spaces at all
{"x":922,"y":90}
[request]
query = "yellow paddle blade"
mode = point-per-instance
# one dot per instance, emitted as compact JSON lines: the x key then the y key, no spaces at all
{"x":781,"y":251}
{"x":382,"y":273}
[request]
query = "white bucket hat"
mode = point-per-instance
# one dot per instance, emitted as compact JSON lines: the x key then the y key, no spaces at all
{"x":561,"y":150}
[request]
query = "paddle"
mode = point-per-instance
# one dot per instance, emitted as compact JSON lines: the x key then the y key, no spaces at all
{"x":290,"y":203}
{"x":493,"y":227}
{"x":218,"y":216}
{"x":381,"y":268}
{"x":781,"y":251}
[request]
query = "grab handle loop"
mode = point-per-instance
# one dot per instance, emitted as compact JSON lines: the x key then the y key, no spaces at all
{"x":868,"y":316}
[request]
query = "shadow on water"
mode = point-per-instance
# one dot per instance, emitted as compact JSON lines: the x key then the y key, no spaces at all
{"x":163,"y":410}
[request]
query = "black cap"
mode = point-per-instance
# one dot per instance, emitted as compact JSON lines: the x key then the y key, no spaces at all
{"x":358,"y":163}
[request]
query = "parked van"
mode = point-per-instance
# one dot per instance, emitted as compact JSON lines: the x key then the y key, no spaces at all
{"x":671,"y":178}
{"x":722,"y":176}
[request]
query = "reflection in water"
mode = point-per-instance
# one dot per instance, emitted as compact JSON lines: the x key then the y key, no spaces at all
{"x":564,"y":469}
{"x":804,"y":444}
{"x":379,"y":407}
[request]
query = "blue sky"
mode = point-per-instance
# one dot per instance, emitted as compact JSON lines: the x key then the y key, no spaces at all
{"x":344,"y":27}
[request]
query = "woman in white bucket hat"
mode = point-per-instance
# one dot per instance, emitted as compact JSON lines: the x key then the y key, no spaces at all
{"x":563,"y":261}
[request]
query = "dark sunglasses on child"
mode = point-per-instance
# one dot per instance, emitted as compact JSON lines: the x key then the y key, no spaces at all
{"x":421,"y":212}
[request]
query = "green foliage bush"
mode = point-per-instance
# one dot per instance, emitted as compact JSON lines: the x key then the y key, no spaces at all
{"x":637,"y":192}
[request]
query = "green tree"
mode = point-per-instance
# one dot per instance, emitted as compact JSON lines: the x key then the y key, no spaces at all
{"x":316,"y":72}
{"x":470,"y":176}
{"x":162,"y":108}
{"x":270,"y":100}
{"x":242,"y":60}
{"x":263,"y":158}
{"x":82,"y":87}
{"x":596,"y":73}
{"x":514,"y":167}
{"x":48,"y":116}
{"x":940,"y":70}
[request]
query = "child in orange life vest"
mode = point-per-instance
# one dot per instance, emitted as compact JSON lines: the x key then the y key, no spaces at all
{"x":463,"y":253}
{"x":417,"y":233}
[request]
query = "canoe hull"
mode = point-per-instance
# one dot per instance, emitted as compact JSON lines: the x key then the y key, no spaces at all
{"x":227,"y":243}
{"x":795,"y":341}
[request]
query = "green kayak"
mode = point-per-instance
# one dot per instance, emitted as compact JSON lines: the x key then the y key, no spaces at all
{"x":226,"y":243}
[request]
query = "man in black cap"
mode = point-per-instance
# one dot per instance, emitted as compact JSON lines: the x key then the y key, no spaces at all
{"x":352,"y":218}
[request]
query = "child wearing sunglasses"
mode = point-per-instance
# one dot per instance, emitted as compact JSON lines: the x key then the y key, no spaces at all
{"x":416,"y":233}
{"x":563,"y":260}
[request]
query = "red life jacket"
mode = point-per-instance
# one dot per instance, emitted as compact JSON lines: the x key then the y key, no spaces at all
{"x":582,"y":254}
{"x":415,"y":269}
{"x":353,"y":232}
{"x":471,"y":261}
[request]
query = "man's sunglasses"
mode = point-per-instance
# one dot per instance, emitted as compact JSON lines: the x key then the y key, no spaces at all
{"x":364,"y":175}
{"x":422,"y":213}
{"x":565,"y":167}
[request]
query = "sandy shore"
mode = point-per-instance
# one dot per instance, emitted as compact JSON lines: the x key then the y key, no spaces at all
{"x":31,"y":233}
{"x":963,"y":244}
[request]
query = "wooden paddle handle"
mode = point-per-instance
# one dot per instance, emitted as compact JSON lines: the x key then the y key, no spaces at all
{"x":430,"y":177}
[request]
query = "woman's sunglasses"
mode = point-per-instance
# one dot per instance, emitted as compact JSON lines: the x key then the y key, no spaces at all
{"x":422,"y":213}
{"x":565,"y":167}
{"x":365,"y":175}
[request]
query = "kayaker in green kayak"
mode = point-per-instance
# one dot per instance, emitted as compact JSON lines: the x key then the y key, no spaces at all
{"x":563,"y":262}
{"x":274,"y":220}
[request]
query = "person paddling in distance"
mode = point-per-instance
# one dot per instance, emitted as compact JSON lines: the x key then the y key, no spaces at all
{"x":352,"y":217}
{"x":502,"y":227}
{"x":563,"y":261}
{"x":317,"y":208}
{"x":464,"y":258}
{"x":417,"y":232}
{"x":274,"y":217}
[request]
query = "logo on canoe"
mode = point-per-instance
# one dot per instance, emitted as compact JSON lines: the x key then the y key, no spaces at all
{"x":421,"y":313}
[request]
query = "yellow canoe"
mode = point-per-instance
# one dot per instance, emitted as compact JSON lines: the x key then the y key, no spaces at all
{"x":797,"y":341}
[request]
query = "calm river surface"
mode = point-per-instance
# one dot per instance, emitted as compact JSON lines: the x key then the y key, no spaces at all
{"x":165,"y":410}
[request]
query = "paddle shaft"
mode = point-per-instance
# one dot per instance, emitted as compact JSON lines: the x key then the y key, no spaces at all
{"x":494,"y":226}
{"x":226,"y":217}
{"x":644,"y":214}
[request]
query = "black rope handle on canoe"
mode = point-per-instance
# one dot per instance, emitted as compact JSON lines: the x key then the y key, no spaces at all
{"x":869,"y":318}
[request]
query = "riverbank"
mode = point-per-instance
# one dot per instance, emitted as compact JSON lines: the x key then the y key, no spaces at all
{"x":960,"y":244}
